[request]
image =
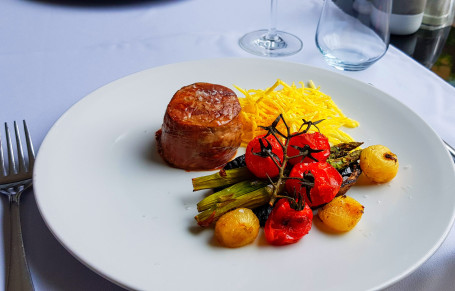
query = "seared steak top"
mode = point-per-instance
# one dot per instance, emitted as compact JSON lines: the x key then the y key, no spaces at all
{"x":204,"y":104}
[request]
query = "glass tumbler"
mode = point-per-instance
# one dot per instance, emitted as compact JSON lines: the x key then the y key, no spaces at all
{"x":353,"y":34}
{"x":438,"y":14}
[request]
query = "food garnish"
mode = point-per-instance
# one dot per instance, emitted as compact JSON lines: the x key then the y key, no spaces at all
{"x":276,"y":181}
{"x":287,"y":225}
{"x":295,"y":103}
{"x":264,"y":156}
{"x":237,"y":228}
{"x":378,"y":163}
{"x":311,"y":141}
{"x":325,"y":182}
{"x":283,"y":203}
{"x":301,"y":162}
{"x":342,"y":213}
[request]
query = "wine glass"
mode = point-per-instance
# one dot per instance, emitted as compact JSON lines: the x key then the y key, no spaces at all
{"x":271,"y":42}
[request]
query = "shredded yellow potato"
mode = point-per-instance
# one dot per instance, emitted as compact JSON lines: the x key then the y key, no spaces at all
{"x":262,"y":107}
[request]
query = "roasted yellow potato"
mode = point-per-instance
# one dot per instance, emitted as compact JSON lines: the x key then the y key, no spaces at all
{"x":378,"y":163}
{"x":237,"y":228}
{"x":341,"y":214}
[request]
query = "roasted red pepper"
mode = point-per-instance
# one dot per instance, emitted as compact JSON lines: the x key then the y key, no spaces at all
{"x":259,"y":154}
{"x":323,"y":180}
{"x":315,"y":145}
{"x":286,"y":225}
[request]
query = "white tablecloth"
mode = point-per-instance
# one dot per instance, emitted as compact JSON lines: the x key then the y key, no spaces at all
{"x":53,"y":53}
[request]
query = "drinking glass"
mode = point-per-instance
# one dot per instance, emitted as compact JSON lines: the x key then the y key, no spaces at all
{"x":353,"y":34}
{"x":438,"y":14}
{"x":271,"y":42}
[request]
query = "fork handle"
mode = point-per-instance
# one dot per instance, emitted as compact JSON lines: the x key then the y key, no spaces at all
{"x":19,"y":277}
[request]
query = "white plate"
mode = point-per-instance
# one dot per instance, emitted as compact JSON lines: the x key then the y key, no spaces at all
{"x":112,"y":202}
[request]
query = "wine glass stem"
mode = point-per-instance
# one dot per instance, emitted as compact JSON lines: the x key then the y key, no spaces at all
{"x":271,"y":34}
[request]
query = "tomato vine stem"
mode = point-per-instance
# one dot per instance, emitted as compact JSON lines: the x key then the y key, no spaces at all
{"x":278,"y":186}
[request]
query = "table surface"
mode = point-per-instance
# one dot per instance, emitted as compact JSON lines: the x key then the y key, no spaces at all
{"x":53,"y":53}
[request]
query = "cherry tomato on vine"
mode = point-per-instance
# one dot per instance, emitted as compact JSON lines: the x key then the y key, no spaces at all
{"x":315,"y":144}
{"x":259,"y":153}
{"x":286,"y":225}
{"x":323,"y":180}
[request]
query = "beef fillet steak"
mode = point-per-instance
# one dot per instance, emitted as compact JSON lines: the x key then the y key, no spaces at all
{"x":201,"y":128}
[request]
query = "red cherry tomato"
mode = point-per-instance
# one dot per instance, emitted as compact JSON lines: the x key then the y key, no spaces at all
{"x":315,"y":141}
{"x":286,"y":225}
{"x":327,"y":182}
{"x":257,"y":156}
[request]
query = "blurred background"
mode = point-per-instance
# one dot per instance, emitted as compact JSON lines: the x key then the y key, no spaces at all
{"x":433,"y":44}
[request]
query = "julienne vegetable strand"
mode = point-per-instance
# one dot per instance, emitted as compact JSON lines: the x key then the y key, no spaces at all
{"x":295,"y":103}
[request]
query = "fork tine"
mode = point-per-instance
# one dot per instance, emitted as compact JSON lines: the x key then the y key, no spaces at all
{"x":30,"y":150}
{"x":2,"y":161}
{"x":20,"y":152}
{"x":9,"y":145}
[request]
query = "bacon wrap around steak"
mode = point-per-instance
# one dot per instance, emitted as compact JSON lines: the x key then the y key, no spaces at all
{"x":201,"y":128}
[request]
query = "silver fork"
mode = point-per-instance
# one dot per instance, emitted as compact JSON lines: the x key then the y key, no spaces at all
{"x":451,"y":150}
{"x":14,"y":179}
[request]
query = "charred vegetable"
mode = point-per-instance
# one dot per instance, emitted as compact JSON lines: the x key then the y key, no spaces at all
{"x":287,"y":224}
{"x":263,"y":212}
{"x":222,"y":178}
{"x":238,"y":162}
{"x":237,"y":228}
{"x":350,"y":176}
{"x":342,"y":213}
{"x":342,"y":149}
{"x":263,"y":181}
{"x":378,"y":163}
